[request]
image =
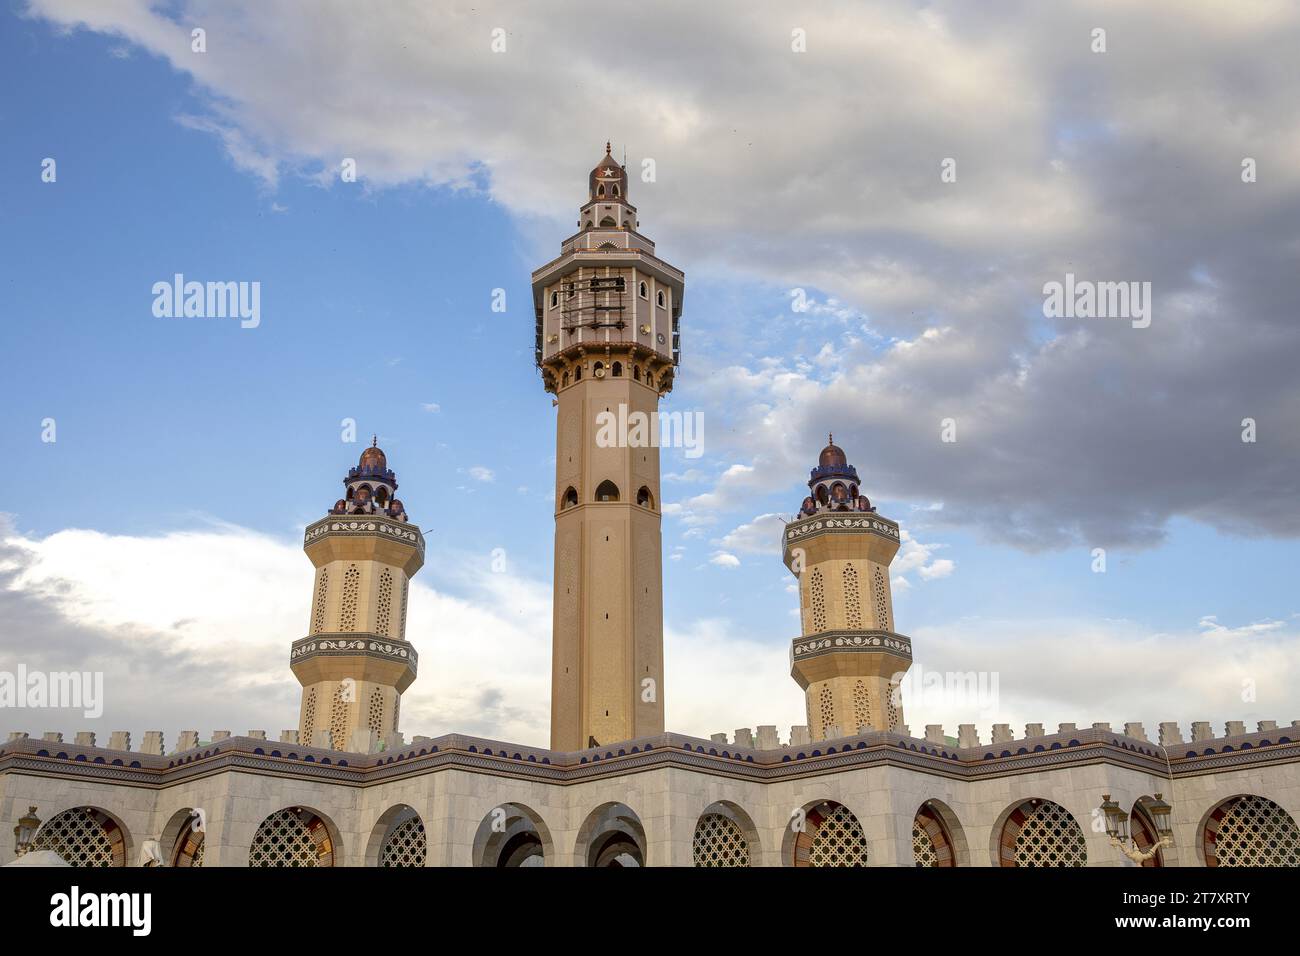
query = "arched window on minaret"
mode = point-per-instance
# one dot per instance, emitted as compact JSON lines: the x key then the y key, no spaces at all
{"x":616,"y":370}
{"x":636,"y":372}
{"x":600,"y":191}
{"x":569,"y":499}
{"x":645,"y":499}
{"x":609,"y":221}
{"x":607,"y":491}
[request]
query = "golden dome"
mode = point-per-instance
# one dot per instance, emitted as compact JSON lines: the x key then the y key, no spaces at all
{"x":373,"y":458}
{"x":832,"y":455}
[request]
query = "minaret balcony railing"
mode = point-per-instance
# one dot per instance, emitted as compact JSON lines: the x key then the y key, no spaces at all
{"x":364,"y":524}
{"x":850,"y":641}
{"x":353,"y":644}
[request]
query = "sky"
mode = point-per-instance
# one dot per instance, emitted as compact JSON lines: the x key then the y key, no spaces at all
{"x":867,"y":201}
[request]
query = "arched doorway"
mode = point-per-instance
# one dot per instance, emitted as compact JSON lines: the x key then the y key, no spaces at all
{"x":611,"y":836}
{"x":398,"y":839}
{"x":293,"y":837}
{"x":725,"y":836}
{"x":84,"y":836}
{"x":512,"y":835}
{"x":932,"y":841}
{"x":828,"y":834}
{"x":1250,"y":830}
{"x":1041,"y":833}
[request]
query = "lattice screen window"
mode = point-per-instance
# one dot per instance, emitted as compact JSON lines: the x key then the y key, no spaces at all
{"x":931,"y":845}
{"x":839,"y":840}
{"x":923,"y":846}
{"x":719,"y":842}
{"x":384,"y":608}
{"x":376,"y":721}
{"x":1049,"y":836}
{"x":852,"y":603}
{"x":291,"y":838}
{"x":322,"y":590}
{"x":339,"y":718}
{"x":891,"y":708}
{"x":1251,"y":831}
{"x":348,"y":610}
{"x":308,"y":718}
{"x":882,"y":604}
{"x":817,"y":595}
{"x":861,"y":706}
{"x":401,"y":629}
{"x":827,"y":701}
{"x":188,"y":850}
{"x":405,"y":844}
{"x":82,"y":837}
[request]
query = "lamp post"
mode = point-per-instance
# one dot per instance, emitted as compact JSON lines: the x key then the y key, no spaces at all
{"x":1117,"y":828}
{"x":25,"y":832}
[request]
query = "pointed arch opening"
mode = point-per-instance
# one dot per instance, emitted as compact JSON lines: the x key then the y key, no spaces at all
{"x":607,"y":491}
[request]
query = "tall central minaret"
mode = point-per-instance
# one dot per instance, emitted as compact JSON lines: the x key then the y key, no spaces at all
{"x":607,"y":345}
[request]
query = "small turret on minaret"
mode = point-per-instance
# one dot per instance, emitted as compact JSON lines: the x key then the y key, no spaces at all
{"x":848,"y":660}
{"x":355,"y":662}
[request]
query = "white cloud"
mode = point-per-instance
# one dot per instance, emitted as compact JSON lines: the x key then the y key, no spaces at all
{"x":479,"y":473}
{"x":760,"y":536}
{"x":220,"y":606}
{"x":947,"y":273}
{"x":937,"y":569}
{"x":192,"y":630}
{"x":724,"y":560}
{"x":431,"y":406}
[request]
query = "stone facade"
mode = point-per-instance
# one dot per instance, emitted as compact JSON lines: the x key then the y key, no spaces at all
{"x":657,"y":801}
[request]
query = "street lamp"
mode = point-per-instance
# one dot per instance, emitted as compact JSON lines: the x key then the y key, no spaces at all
{"x":1117,"y":828}
{"x":25,"y":832}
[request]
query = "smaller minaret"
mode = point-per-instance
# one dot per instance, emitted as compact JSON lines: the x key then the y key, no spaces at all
{"x":356,"y":662}
{"x":849,"y":659}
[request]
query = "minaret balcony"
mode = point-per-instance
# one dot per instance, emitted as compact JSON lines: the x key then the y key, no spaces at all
{"x":359,"y":655}
{"x":838,"y":653}
{"x":365,"y":537}
{"x":839,"y":534}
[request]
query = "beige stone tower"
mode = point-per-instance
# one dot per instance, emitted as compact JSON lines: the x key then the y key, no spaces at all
{"x":356,"y":661}
{"x":607,"y":345}
{"x":849,"y":659}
